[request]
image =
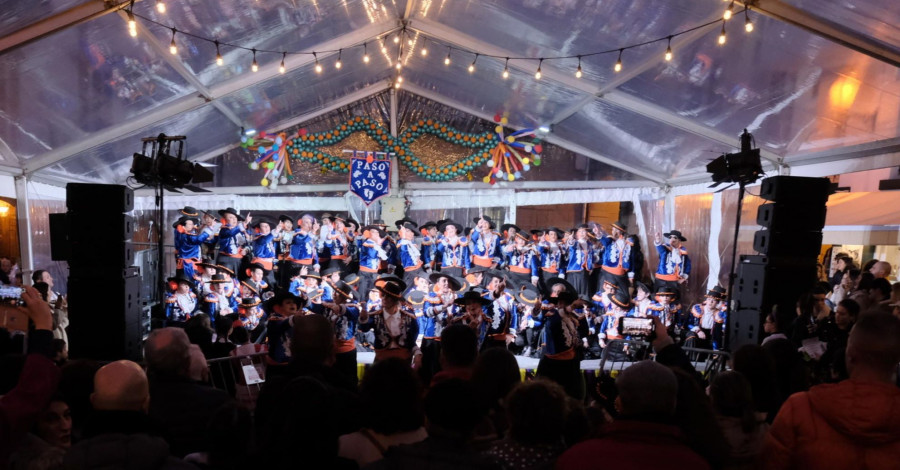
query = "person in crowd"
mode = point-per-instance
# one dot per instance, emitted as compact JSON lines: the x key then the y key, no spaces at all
{"x":180,"y":404}
{"x":642,"y":437}
{"x":255,"y":284}
{"x":536,"y":412}
{"x":667,"y":309}
{"x":41,"y":275}
{"x":222,"y":345}
{"x":842,"y":264}
{"x":674,"y":263}
{"x":642,"y":299}
{"x":51,"y":437}
{"x":743,"y":426}
{"x":459,"y":350}
{"x":395,"y":327}
{"x":608,"y":329}
{"x":844,"y":287}
{"x":881,"y":270}
{"x":393,"y":413}
{"x":771,"y":327}
{"x":60,"y":351}
{"x":618,"y":256}
{"x":758,"y":367}
{"x":21,"y":404}
{"x":8,"y":271}
{"x":120,"y":434}
{"x":225,"y":452}
{"x":181,"y":301}
{"x":880,"y":294}
{"x":282,"y":310}
{"x":809,"y":308}
{"x":861,"y":293}
{"x":452,"y":412}
{"x":495,"y":374}
{"x":218,"y":303}
{"x":834,"y":331}
{"x":439,"y":309}
{"x":60,"y":309}
{"x":200,"y":332}
{"x":832,"y":425}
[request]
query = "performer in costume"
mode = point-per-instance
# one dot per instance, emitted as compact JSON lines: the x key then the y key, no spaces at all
{"x":551,"y":263}
{"x":408,"y":253}
{"x":181,"y":302}
{"x":704,"y":317}
{"x":395,"y":327}
{"x":262,"y":248}
{"x":188,"y":242}
{"x":618,"y":258}
{"x":473,"y":306}
{"x":502,"y":315}
{"x":343,"y":313}
{"x":521,"y":260}
{"x":337,"y":244}
{"x":429,"y":244}
{"x":249,"y":314}
{"x":453,"y":250}
{"x":283,"y":240}
{"x":531,"y":320}
{"x":231,"y":251}
{"x":668,"y":311}
{"x":580,"y":263}
{"x":485,"y":243}
{"x":204,"y":272}
{"x":609,"y":326}
{"x":508,"y":235}
{"x":303,"y":245}
{"x":603,"y":300}
{"x":255,"y":285}
{"x":281,"y":310}
{"x":475,"y":276}
{"x":674,"y":263}
{"x":218,"y":303}
{"x":439,"y":310}
{"x":371,"y":254}
{"x":321,"y":235}
{"x":560,"y":361}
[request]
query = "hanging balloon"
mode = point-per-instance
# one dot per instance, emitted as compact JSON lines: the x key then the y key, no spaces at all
{"x":264,"y":182}
{"x":254,"y":166}
{"x":283,"y":180}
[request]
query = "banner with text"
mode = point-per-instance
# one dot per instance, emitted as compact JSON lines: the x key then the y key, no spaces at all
{"x":370,"y":179}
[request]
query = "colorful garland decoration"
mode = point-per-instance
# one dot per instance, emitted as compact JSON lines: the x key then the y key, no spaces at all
{"x":507,"y":155}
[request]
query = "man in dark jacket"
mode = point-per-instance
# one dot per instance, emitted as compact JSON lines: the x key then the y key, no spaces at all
{"x":120,"y":434}
{"x":644,"y":436}
{"x":182,"y":406}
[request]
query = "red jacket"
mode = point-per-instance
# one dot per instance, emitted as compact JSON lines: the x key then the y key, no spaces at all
{"x":851,"y":424}
{"x":634,"y":445}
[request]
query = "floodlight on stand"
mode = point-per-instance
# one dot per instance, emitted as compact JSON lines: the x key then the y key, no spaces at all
{"x":744,"y":167}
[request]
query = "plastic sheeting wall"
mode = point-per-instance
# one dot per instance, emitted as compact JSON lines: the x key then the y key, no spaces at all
{"x":40,"y":239}
{"x":692,"y":218}
{"x":745,"y":235}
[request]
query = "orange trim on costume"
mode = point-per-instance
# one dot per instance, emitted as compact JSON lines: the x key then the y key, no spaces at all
{"x":563,"y":356}
{"x":519,"y":270}
{"x":668,"y":277}
{"x":483,"y":261}
{"x":232,"y":256}
{"x":413,"y":268}
{"x":550,"y":270}
{"x":267,"y":263}
{"x":618,"y":271}
{"x":402,"y":353}
{"x":305,"y":262}
{"x":367,"y":269}
{"x":344,"y":345}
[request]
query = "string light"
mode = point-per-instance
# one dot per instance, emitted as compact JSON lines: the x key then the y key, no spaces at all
{"x":173,"y":48}
{"x":748,"y":25}
{"x":506,"y":69}
{"x":219,"y":60}
{"x":160,"y":6}
{"x":669,"y":50}
{"x":537,"y":75}
{"x":399,"y":64}
{"x":318,"y":66}
{"x":132,"y":25}
{"x":578,"y":70}
{"x":383,"y":48}
{"x":618,"y":66}
{"x":722,"y":35}
{"x":365,"y":53}
{"x":424,"y":48}
{"x":281,"y":68}
{"x":397,"y":39}
{"x":472,"y":65}
{"x":729,"y":11}
{"x":255,"y":65}
{"x":338,"y":64}
{"x":447,"y":60}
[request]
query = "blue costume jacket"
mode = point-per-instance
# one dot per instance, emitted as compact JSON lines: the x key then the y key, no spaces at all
{"x":484,"y":251}
{"x":303,"y":249}
{"x":180,"y":307}
{"x":581,"y":258}
{"x":617,"y":261}
{"x":673,"y":263}
{"x":502,"y":315}
{"x":551,"y":258}
{"x":227,"y":239}
{"x":409,"y":255}
{"x":522,"y":262}
{"x":452,"y":256}
{"x":409,"y":329}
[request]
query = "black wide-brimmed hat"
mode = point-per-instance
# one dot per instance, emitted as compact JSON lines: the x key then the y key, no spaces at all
{"x":330,"y":270}
{"x":621,"y":298}
{"x":232,"y":211}
{"x":622,"y":226}
{"x":261,"y":220}
{"x":428,"y":225}
{"x":207,"y":263}
{"x":352,"y":280}
{"x":219,"y":267}
{"x":380,"y":223}
{"x":252,"y":266}
{"x":326,"y":215}
{"x":564,"y":296}
{"x":559,"y":232}
{"x":416,"y":298}
{"x":472,"y":295}
{"x":522,"y":235}
{"x":492,"y":273}
{"x":409,"y":226}
{"x":557,"y":280}
{"x":285,"y":217}
{"x":250,"y":302}
{"x":190,"y":212}
{"x":451,"y":280}
{"x":675,"y":233}
{"x":717,"y":292}
{"x":487,"y":219}
{"x":280,"y":297}
{"x":375,"y":228}
{"x":505,"y":227}
{"x":391,"y":285}
{"x":181,"y":220}
{"x":459,"y":228}
{"x":181,"y":278}
{"x":528,"y":295}
{"x":405,"y":220}
{"x":666,"y":292}
{"x":344,"y":289}
{"x":351,"y":221}
{"x":218,"y":279}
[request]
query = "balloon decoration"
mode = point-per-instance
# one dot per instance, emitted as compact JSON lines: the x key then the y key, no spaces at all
{"x":507,"y":155}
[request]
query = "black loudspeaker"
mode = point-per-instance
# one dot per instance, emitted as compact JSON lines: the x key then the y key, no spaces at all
{"x":795,"y":189}
{"x":106,"y":315}
{"x":788,"y":244}
{"x":114,"y":256}
{"x":99,"y":198}
{"x":59,"y":237}
{"x":784,"y":216}
{"x":100,"y":227}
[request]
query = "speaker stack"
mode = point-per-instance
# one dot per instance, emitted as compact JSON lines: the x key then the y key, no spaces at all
{"x":789,"y":247}
{"x":106,"y":318}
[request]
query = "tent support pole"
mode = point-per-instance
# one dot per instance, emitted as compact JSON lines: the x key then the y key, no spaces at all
{"x":395,"y":162}
{"x":23,"y":217}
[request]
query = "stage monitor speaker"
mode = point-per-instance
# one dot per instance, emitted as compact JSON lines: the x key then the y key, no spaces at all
{"x":791,"y":217}
{"x":100,"y":229}
{"x":59,"y":237}
{"x":106,"y":317}
{"x":795,"y":189}
{"x":788,"y":244}
{"x":99,"y":198}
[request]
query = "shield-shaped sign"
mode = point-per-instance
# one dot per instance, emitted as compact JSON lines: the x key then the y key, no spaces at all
{"x":370,"y":180}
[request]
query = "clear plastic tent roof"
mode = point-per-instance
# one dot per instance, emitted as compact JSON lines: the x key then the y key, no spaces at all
{"x":75,"y":103}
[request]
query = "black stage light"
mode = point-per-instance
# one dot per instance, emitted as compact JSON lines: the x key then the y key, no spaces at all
{"x":744,"y":167}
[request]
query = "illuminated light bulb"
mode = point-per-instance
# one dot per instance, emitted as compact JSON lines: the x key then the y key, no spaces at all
{"x":578,"y":73}
{"x":537,"y":75}
{"x":255,"y":65}
{"x":339,"y":64}
{"x":410,"y":42}
{"x":281,"y":68}
{"x":424,"y":51}
{"x":729,"y":12}
{"x":399,"y":78}
{"x":399,"y":65}
{"x":318,"y":65}
{"x":506,"y":69}
{"x":396,"y":84}
{"x":384,"y":49}
{"x":472,"y":65}
{"x":748,"y":25}
{"x":220,"y":61}
{"x":173,"y":48}
{"x":618,"y":66}
{"x":722,"y":37}
{"x":397,"y":39}
{"x":160,"y":6}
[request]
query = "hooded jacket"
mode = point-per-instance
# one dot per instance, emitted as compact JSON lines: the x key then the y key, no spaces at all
{"x":851,"y":424}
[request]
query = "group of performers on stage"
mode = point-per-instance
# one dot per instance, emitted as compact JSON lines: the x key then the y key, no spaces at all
{"x":550,"y":293}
